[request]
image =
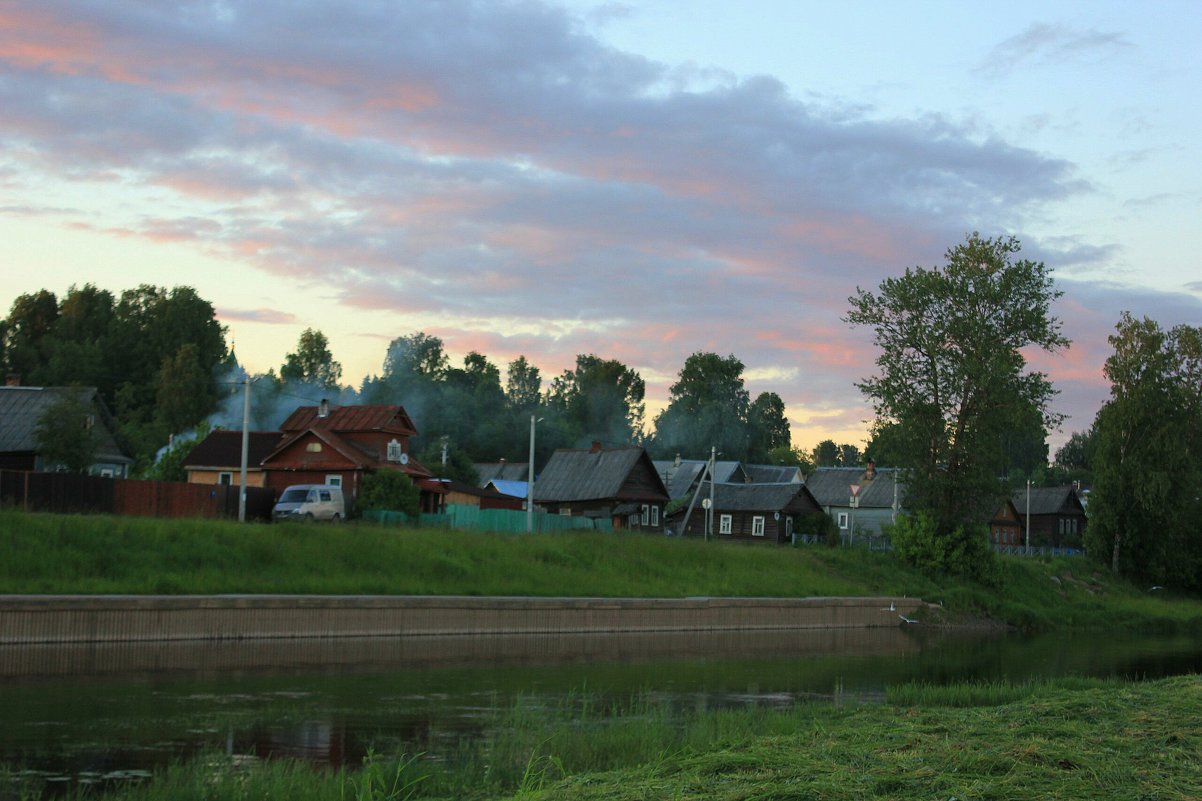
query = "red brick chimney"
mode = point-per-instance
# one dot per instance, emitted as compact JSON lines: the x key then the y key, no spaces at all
{"x":12,"y":380}
{"x":596,"y":446}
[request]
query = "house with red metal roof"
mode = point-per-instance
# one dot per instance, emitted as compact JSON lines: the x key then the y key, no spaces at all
{"x":340,"y":445}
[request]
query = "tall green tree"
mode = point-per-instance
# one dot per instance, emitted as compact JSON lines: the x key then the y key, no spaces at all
{"x":952,"y":374}
{"x":1145,"y":508}
{"x":768,"y":427}
{"x":707,"y":407}
{"x":523,"y":386}
{"x":183,"y":390}
{"x":66,"y":432}
{"x":602,"y":399}
{"x":312,"y":362}
{"x":29,"y":327}
{"x":825,"y":454}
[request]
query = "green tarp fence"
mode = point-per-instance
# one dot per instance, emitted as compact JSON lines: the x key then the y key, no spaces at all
{"x":505,"y":520}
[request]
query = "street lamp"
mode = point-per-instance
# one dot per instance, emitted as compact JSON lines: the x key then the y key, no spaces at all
{"x":530,"y":478}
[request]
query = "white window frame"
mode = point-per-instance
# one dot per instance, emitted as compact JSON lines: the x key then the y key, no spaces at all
{"x":225,"y":478}
{"x":843,"y":521}
{"x":565,"y":511}
{"x":394,"y":451}
{"x":724,"y":524}
{"x":334,"y":480}
{"x":654,"y":514}
{"x":757,"y":526}
{"x":645,"y":518}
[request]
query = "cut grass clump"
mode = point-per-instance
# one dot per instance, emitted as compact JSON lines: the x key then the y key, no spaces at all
{"x":1060,"y":739}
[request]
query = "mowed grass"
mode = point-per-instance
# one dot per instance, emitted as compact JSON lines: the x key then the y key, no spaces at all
{"x":1042,"y":740}
{"x":74,"y":554}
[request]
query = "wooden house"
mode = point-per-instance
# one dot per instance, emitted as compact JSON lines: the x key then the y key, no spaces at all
{"x":751,"y":512}
{"x":22,"y":408}
{"x":878,"y":497}
{"x":217,"y":459}
{"x":1006,"y":527}
{"x":618,"y":484}
{"x":1057,"y":515}
{"x":462,"y":494}
{"x":340,"y":445}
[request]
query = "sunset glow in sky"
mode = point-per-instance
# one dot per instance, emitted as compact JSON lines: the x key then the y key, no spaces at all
{"x":636,"y":180}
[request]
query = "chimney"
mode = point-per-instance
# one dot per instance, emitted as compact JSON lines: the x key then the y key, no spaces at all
{"x":870,"y":471}
{"x":12,"y":380}
{"x":323,"y":409}
{"x":677,"y":462}
{"x":596,"y":446}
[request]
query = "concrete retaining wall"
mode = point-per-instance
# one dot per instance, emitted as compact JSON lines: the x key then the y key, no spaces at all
{"x":64,"y":619}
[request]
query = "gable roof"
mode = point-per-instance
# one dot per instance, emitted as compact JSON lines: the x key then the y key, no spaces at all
{"x":1049,"y":500}
{"x":758,"y":497}
{"x":501,"y":471}
{"x":22,"y":407}
{"x":388,"y":418}
{"x":223,"y":448}
{"x":831,"y":486}
{"x":593,"y":474}
{"x":512,"y":489}
{"x":680,"y":476}
{"x":773,"y":474}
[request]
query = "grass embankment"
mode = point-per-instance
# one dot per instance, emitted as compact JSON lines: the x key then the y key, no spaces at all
{"x":109,"y":555}
{"x":1072,"y":738}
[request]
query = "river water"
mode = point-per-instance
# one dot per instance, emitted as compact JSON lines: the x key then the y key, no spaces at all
{"x":97,"y":713}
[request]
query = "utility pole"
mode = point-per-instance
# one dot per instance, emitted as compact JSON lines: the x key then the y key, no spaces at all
{"x":1028,"y":515}
{"x":530,"y":480}
{"x":710,"y":511}
{"x":245,"y":448}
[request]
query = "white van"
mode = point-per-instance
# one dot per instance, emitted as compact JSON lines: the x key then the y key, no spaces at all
{"x":310,"y":502}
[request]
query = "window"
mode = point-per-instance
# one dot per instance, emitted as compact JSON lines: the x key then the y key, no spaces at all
{"x":225,"y":479}
{"x":566,"y":511}
{"x":757,"y":526}
{"x":843,"y":520}
{"x":106,"y":472}
{"x":655,"y":515}
{"x":394,"y":451}
{"x":646,"y":516}
{"x":325,"y":495}
{"x":724,"y":524}
{"x":633,"y":521}
{"x":334,"y":480}
{"x":313,"y":447}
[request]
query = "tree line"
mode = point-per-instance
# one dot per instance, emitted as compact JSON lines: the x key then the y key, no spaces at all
{"x":160,"y":361}
{"x":955,"y":403}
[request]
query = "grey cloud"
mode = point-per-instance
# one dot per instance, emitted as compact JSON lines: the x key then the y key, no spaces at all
{"x":273,"y":316}
{"x":1042,"y":43}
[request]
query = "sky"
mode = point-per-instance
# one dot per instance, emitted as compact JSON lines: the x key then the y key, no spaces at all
{"x":637,"y":180}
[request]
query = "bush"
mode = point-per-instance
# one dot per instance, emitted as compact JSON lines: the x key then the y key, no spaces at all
{"x":391,"y":491}
{"x":817,"y":524}
{"x":964,"y":551}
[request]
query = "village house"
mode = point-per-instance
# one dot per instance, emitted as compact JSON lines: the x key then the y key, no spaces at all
{"x":1006,"y":526}
{"x":751,"y":512}
{"x":1057,"y":515}
{"x":616,"y":484}
{"x":217,"y":459}
{"x":21,"y":408}
{"x":341,"y":445}
{"x":861,"y":501}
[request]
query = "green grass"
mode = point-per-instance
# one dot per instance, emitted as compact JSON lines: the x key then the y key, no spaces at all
{"x":96,"y":554}
{"x":1042,"y":740}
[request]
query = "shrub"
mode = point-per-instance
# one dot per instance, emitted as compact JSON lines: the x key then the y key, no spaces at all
{"x":963,"y":551}
{"x":392,"y":491}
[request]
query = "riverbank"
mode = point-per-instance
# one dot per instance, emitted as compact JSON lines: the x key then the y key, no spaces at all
{"x":71,"y":554}
{"x":1072,"y":738}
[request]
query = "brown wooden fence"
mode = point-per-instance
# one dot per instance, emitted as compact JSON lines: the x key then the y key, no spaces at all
{"x":64,"y":492}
